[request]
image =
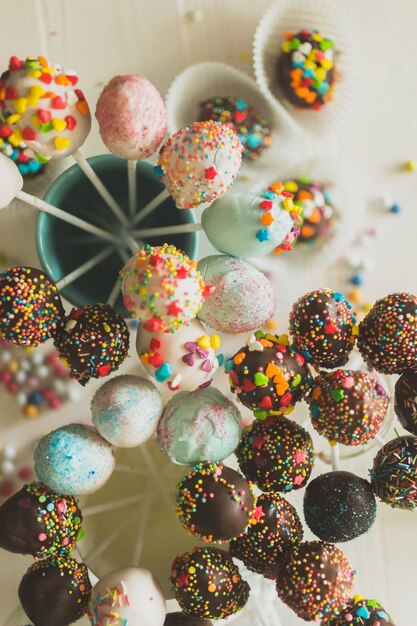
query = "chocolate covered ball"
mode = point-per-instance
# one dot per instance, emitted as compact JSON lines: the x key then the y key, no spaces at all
{"x":37,"y":521}
{"x":208,"y":584}
{"x":274,"y":527}
{"x":30,"y":306}
{"x":315,"y":580}
{"x":55,"y":591}
{"x":388,"y":334}
{"x":347,"y":406}
{"x":268,"y":375}
{"x":339,"y":506}
{"x":214,"y":502}
{"x":181,"y":619}
{"x":316,"y":209}
{"x":276,"y":454}
{"x":306,"y":69}
{"x":93,"y":341}
{"x":360,"y":611}
{"x":394,"y":473}
{"x":405,"y":401}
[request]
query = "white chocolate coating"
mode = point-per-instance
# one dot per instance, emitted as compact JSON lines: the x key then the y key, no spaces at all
{"x":11,"y":181}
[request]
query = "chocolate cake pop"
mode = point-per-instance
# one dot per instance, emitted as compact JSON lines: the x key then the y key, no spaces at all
{"x":55,"y":591}
{"x":276,"y":454}
{"x":388,"y":334}
{"x":347,"y":406}
{"x":405,"y":401}
{"x":208,"y":584}
{"x":315,"y":580}
{"x":214,"y":502}
{"x":316,"y":209}
{"x":361,"y":612}
{"x":268,"y":375}
{"x":339,"y":506}
{"x":322,"y":325}
{"x":181,"y":619}
{"x":394,"y":473}
{"x":37,"y":521}
{"x":274,"y":527}
{"x":92,"y":341}
{"x":306,"y":69}
{"x":30,"y":306}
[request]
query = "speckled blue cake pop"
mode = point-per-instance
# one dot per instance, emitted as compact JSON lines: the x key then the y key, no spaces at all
{"x":74,"y":459}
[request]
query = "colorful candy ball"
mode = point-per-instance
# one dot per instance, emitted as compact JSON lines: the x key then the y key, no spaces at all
{"x":405,"y":401}
{"x":394,"y":473}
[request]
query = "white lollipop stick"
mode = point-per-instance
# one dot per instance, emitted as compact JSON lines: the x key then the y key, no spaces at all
{"x":128,"y":469}
{"x":138,"y":547}
{"x":167,"y":230}
{"x":109,"y":506}
{"x":102,"y":547}
{"x":114,"y":293}
{"x":132,"y":182}
{"x":96,"y":182}
{"x":153,"y":204}
{"x":85,"y":267}
{"x":380,"y":440}
{"x":154,"y":474}
{"x":335,"y":457}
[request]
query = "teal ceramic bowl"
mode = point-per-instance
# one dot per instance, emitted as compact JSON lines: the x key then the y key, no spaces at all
{"x":63,"y":247}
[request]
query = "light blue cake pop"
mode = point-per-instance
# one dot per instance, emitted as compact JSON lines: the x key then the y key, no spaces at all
{"x":74,"y":459}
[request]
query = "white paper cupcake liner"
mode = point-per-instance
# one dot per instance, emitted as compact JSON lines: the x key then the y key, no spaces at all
{"x":326,"y":17}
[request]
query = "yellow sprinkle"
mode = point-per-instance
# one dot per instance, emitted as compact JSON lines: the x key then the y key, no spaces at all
{"x":204,"y":342}
{"x":286,"y":47}
{"x":36,"y":92}
{"x":357,"y":598}
{"x":20,"y":105}
{"x":61,"y":143}
{"x":354,"y":296}
{"x":191,"y":569}
{"x":284,"y":340}
{"x":288,"y":204}
{"x":410,"y":166}
{"x":272,"y":324}
{"x":58,"y":125}
{"x":215,"y":342}
{"x":317,"y":37}
{"x":326,"y":63}
{"x":35,"y":121}
{"x":15,"y":138}
{"x":106,"y":328}
{"x":12,"y":119}
{"x":34,"y":73}
{"x":355,"y":330}
{"x":291,"y":186}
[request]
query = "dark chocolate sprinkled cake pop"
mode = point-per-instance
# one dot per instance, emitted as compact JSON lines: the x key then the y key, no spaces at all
{"x":388,"y":334}
{"x":339,"y":506}
{"x":276,"y":454}
{"x":208,"y":584}
{"x":323,"y":326}
{"x":214,"y":502}
{"x":394,"y":473}
{"x":274,"y":527}
{"x":405,"y":401}
{"x":181,"y":619}
{"x":361,"y":611}
{"x":315,"y":580}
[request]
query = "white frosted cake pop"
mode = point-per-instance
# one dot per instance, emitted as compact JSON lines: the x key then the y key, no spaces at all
{"x":11,"y":181}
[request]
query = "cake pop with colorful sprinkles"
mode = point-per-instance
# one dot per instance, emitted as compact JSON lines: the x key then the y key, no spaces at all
{"x":347,"y":406}
{"x":388,"y":334}
{"x":268,"y":375}
{"x":199,"y":163}
{"x":276,"y":454}
{"x":394,"y":473}
{"x":339,"y":506}
{"x":16,"y":151}
{"x":360,"y":611}
{"x":317,"y":212}
{"x":306,"y":70}
{"x":93,"y":341}
{"x":44,"y":107}
{"x":405,"y":401}
{"x":55,"y":591}
{"x":208,"y":584}
{"x":253,"y":131}
{"x":274,"y":527}
{"x":315,"y":580}
{"x":30,"y":306}
{"x":37,"y":521}
{"x":162,"y":287}
{"x":181,"y":619}
{"x":214,"y":502}
{"x":323,"y":326}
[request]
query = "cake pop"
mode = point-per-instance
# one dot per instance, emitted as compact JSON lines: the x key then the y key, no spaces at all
{"x":247,"y":224}
{"x":181,"y":619}
{"x":268,"y":376}
{"x":339,"y":506}
{"x":126,"y":409}
{"x":37,"y":521}
{"x":74,"y":459}
{"x":184,"y":360}
{"x":315,"y":203}
{"x":131,"y":116}
{"x":243,"y":297}
{"x":276,"y":454}
{"x":55,"y":591}
{"x":388,"y":334}
{"x":322,"y":325}
{"x":214,"y":502}
{"x":347,"y":406}
{"x":359,"y":611}
{"x":208,"y":584}
{"x":405,"y":401}
{"x":16,"y":151}
{"x":130,"y":595}
{"x":44,"y":107}
{"x":11,"y":181}
{"x":243,"y":119}
{"x":199,"y":426}
{"x":199,"y":163}
{"x":163,"y":288}
{"x":93,"y":341}
{"x":306,"y":69}
{"x":274,"y":527}
{"x":30,"y":306}
{"x":394,"y":473}
{"x":315,"y":580}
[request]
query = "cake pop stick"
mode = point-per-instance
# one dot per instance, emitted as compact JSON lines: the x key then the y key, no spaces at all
{"x":109,"y":506}
{"x":151,"y":206}
{"x":335,"y":449}
{"x":114,"y":293}
{"x":84,"y":268}
{"x":132,"y":184}
{"x":128,"y":469}
{"x":145,"y":509}
{"x":110,"y":539}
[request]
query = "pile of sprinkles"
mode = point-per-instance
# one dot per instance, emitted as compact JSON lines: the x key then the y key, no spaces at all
{"x":104,"y":606}
{"x":394,"y":473}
